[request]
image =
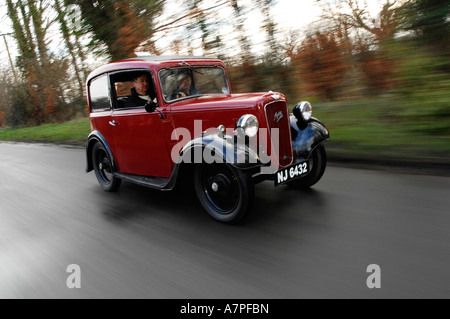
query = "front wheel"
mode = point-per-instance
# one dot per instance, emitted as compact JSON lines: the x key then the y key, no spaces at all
{"x":317,"y":164}
{"x":103,"y":168}
{"x":225,"y":192}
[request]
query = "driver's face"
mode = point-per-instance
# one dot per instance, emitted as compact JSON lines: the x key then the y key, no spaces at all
{"x":141,"y":85}
{"x":185,"y":83}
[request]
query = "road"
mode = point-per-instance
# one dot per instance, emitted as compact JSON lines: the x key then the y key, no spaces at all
{"x":141,"y":243}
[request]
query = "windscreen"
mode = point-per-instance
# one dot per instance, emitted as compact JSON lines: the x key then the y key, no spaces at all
{"x":185,"y":82}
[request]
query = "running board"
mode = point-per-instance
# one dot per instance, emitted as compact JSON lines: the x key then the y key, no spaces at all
{"x":148,"y":181}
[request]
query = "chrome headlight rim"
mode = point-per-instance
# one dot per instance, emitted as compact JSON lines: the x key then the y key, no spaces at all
{"x":249,"y":124}
{"x":303,"y":111}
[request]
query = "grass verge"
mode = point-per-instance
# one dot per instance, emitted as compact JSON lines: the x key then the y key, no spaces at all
{"x":73,"y":132}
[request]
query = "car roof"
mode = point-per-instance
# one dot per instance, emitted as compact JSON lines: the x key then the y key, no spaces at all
{"x":145,"y":61}
{"x":168,"y":58}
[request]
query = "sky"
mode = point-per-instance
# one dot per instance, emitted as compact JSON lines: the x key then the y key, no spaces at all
{"x":289,"y":14}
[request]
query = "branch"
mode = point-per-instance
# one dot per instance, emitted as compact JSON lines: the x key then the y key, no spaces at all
{"x":165,"y":26}
{"x":174,"y":27}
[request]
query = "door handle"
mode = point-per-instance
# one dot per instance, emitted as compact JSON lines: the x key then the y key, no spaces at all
{"x":113,"y":123}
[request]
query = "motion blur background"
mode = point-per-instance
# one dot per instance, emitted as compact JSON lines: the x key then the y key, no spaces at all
{"x":376,"y":71}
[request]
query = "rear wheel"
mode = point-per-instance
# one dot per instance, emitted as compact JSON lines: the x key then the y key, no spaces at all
{"x":103,"y":168}
{"x":226,"y":193}
{"x":317,"y":164}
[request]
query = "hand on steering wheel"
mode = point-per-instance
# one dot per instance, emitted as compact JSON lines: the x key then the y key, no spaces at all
{"x":181,"y":94}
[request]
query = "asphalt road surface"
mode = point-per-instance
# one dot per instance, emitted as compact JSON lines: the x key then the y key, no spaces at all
{"x":141,"y":243}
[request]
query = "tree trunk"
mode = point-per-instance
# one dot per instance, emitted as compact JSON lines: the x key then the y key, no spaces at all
{"x":22,"y":34}
{"x":246,"y":54}
{"x":66,"y":35}
{"x":39,"y":32}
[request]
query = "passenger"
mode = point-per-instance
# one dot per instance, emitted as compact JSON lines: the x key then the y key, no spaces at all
{"x":185,"y":87}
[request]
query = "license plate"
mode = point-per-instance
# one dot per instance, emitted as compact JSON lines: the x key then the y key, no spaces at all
{"x":292,"y":172}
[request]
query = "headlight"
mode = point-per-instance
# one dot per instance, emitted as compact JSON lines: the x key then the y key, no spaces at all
{"x":303,"y":111}
{"x":249,"y":124}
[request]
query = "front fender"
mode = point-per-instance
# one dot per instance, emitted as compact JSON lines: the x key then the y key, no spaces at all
{"x":214,"y":148}
{"x":307,"y":136}
{"x":218,"y":148}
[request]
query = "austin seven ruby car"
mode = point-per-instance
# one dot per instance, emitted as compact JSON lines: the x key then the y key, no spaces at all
{"x":159,"y":120}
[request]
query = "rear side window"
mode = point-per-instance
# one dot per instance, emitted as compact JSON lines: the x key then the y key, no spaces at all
{"x":99,"y":94}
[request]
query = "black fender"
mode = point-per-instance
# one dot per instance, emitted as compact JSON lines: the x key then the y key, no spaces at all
{"x":96,"y":137}
{"x":214,"y":148}
{"x":306,"y":136}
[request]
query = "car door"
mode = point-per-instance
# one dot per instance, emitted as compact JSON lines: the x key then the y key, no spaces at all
{"x":140,"y":138}
{"x":101,"y":108}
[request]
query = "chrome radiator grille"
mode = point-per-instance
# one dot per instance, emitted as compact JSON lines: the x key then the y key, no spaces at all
{"x":277,"y":116}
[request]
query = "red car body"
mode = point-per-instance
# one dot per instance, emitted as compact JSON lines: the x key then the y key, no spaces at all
{"x":145,"y":146}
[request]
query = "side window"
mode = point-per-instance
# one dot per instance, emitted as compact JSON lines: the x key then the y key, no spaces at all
{"x":132,"y":89}
{"x":99,"y":94}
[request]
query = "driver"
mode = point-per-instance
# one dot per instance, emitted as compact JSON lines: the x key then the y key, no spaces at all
{"x":140,"y":89}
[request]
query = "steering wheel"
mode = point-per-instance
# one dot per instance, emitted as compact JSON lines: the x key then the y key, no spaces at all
{"x":179,"y":93}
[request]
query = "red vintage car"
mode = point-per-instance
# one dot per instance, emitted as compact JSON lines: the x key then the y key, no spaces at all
{"x":158,"y":119}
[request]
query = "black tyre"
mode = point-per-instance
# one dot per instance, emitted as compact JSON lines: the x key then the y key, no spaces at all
{"x":317,"y":164}
{"x":226,"y":193}
{"x":103,"y":168}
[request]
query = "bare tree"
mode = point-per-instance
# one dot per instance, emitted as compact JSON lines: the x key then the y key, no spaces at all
{"x":22,"y":34}
{"x":244,"y":43}
{"x":347,"y":15}
{"x":290,"y":45}
{"x":38,"y":96}
{"x":36,"y":10}
{"x":269,"y":27}
{"x":66,"y":34}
